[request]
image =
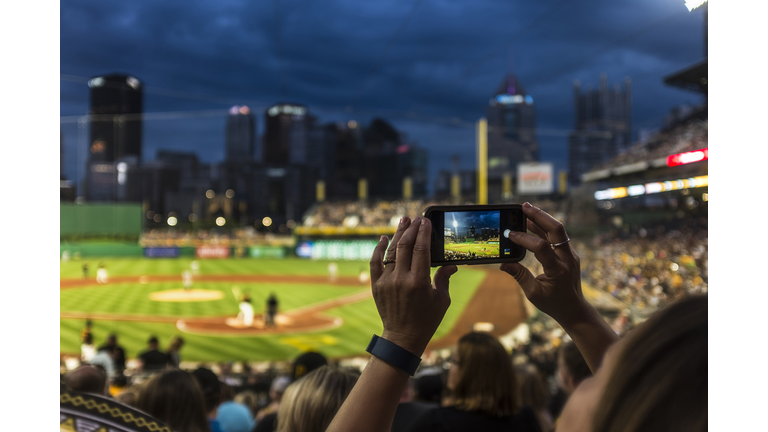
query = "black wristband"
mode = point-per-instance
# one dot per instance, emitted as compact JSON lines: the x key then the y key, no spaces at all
{"x":394,"y":354}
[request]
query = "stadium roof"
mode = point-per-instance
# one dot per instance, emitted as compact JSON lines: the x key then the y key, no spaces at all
{"x":693,"y":78}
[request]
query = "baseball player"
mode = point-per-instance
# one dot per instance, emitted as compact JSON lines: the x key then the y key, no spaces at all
{"x":246,"y":310}
{"x":333,"y":271}
{"x":186,"y":277}
{"x":269,"y":317}
{"x":101,"y":274}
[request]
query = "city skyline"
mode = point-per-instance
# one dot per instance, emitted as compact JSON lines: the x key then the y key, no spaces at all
{"x":431,"y":78}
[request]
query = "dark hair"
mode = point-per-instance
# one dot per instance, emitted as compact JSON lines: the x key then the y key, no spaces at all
{"x":485,"y":381}
{"x":659,"y":381}
{"x":87,"y":379}
{"x":306,"y":363}
{"x":175,"y":398}
{"x":574,"y":362}
{"x":152,"y":340}
{"x":210,"y":386}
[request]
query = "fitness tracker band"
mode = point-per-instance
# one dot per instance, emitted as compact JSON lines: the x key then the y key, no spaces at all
{"x":393,"y":354}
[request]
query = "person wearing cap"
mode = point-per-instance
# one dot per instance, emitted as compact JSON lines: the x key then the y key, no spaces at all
{"x":152,"y":359}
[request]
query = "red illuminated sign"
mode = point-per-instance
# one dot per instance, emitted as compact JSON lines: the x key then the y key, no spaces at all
{"x":688,"y":157}
{"x":212,"y":252}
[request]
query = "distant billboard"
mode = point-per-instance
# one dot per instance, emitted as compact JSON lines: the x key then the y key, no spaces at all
{"x":267,"y":252}
{"x":337,"y":249}
{"x":212,"y":252}
{"x":154,"y":252}
{"x":535,"y":178}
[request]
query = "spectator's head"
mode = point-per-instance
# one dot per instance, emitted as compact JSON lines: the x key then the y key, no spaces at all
{"x":152,"y":342}
{"x":653,"y":379}
{"x":87,"y":379}
{"x":249,"y":399}
{"x":88,"y":339}
{"x":572,"y":369}
{"x":175,"y":398}
{"x":533,"y":391}
{"x":306,"y":363}
{"x":211,"y":388}
{"x":112,"y":340}
{"x":481,"y":377}
{"x":278,"y":386}
{"x":310,"y":403}
{"x":176,"y":343}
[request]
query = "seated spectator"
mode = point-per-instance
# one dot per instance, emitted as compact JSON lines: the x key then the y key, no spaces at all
{"x":128,"y":397}
{"x":211,"y":388}
{"x":655,"y":379}
{"x":233,"y":416}
{"x":106,"y":359}
{"x":119,"y":355}
{"x":483,"y":391}
{"x":276,"y":390}
{"x":87,"y":379}
{"x":310,"y":402}
{"x":534,"y":394}
{"x":409,"y":410}
{"x":304,"y":364}
{"x":429,"y":388}
{"x":175,"y":398}
{"x":174,"y":351}
{"x":87,"y":349}
{"x":152,"y":359}
{"x":571,"y":371}
{"x":250,"y":400}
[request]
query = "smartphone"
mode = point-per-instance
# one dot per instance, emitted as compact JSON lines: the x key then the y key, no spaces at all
{"x":475,"y":234}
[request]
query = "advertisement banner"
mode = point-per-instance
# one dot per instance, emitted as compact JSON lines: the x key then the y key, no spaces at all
{"x":155,"y":252}
{"x":267,"y":252}
{"x":535,"y":178}
{"x":212,"y":252}
{"x":337,"y":249}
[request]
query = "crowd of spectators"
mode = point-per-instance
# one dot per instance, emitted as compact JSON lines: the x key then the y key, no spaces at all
{"x":169,"y":237}
{"x":648,"y":267}
{"x":689,"y":136}
{"x":351,"y":214}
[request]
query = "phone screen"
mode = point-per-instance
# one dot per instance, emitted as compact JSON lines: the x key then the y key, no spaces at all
{"x":478,"y":235}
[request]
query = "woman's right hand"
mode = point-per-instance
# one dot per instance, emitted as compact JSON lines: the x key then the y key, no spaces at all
{"x":556,"y":292}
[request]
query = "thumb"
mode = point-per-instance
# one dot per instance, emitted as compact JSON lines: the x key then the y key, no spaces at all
{"x":442,"y":277}
{"x":522,"y":275}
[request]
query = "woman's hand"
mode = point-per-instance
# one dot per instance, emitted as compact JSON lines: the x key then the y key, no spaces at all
{"x":411,"y":309}
{"x":557,"y":292}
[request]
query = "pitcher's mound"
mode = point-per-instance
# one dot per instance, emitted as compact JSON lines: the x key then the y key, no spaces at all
{"x":182,"y":295}
{"x":285,"y":323}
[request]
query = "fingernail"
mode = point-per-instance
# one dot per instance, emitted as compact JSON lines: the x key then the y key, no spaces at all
{"x":423,"y":221}
{"x":527,"y":205}
{"x":512,"y":233}
{"x":401,"y":220}
{"x":383,"y":238}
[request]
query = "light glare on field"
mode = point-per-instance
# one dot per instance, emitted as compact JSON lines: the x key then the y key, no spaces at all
{"x":220,"y":221}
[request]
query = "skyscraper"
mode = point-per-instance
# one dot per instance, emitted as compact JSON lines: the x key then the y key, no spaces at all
{"x":115,"y":133}
{"x":603,"y":126}
{"x":241,"y":134}
{"x":511,"y":133}
{"x":285,"y":135}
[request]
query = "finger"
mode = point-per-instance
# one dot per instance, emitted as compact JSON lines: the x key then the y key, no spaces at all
{"x":376,"y":264}
{"x":532,"y":227}
{"x":522,"y":275}
{"x":421,"y":259}
{"x":404,"y":248}
{"x":541,"y":250}
{"x":552,"y":227}
{"x":442,"y":277}
{"x":405,"y":221}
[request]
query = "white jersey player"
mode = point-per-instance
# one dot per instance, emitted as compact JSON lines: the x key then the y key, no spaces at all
{"x":186,"y":277}
{"x":101,"y":274}
{"x":195,"y":266}
{"x":333,"y":271}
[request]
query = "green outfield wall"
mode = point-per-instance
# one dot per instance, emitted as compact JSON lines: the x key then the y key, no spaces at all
{"x":94,"y":220}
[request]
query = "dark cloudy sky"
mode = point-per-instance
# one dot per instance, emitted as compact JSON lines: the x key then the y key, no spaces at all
{"x":428,"y":66}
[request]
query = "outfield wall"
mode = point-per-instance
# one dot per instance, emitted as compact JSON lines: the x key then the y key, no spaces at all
{"x":95,"y":219}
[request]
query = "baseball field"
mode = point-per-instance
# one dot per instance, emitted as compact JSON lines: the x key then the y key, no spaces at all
{"x":481,"y":249}
{"x":145,"y":297}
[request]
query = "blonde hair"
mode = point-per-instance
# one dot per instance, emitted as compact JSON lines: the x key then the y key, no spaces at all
{"x":310,"y":403}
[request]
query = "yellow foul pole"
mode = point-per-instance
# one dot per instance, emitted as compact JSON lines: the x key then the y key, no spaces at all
{"x":482,"y":161}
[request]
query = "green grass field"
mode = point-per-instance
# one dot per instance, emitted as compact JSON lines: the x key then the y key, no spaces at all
{"x":491,"y":250}
{"x":361,"y":319}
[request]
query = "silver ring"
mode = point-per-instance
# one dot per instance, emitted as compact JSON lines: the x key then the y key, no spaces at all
{"x":554,"y":245}
{"x":388,"y":261}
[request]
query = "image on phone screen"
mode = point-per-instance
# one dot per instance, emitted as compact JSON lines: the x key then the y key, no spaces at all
{"x":471,"y":235}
